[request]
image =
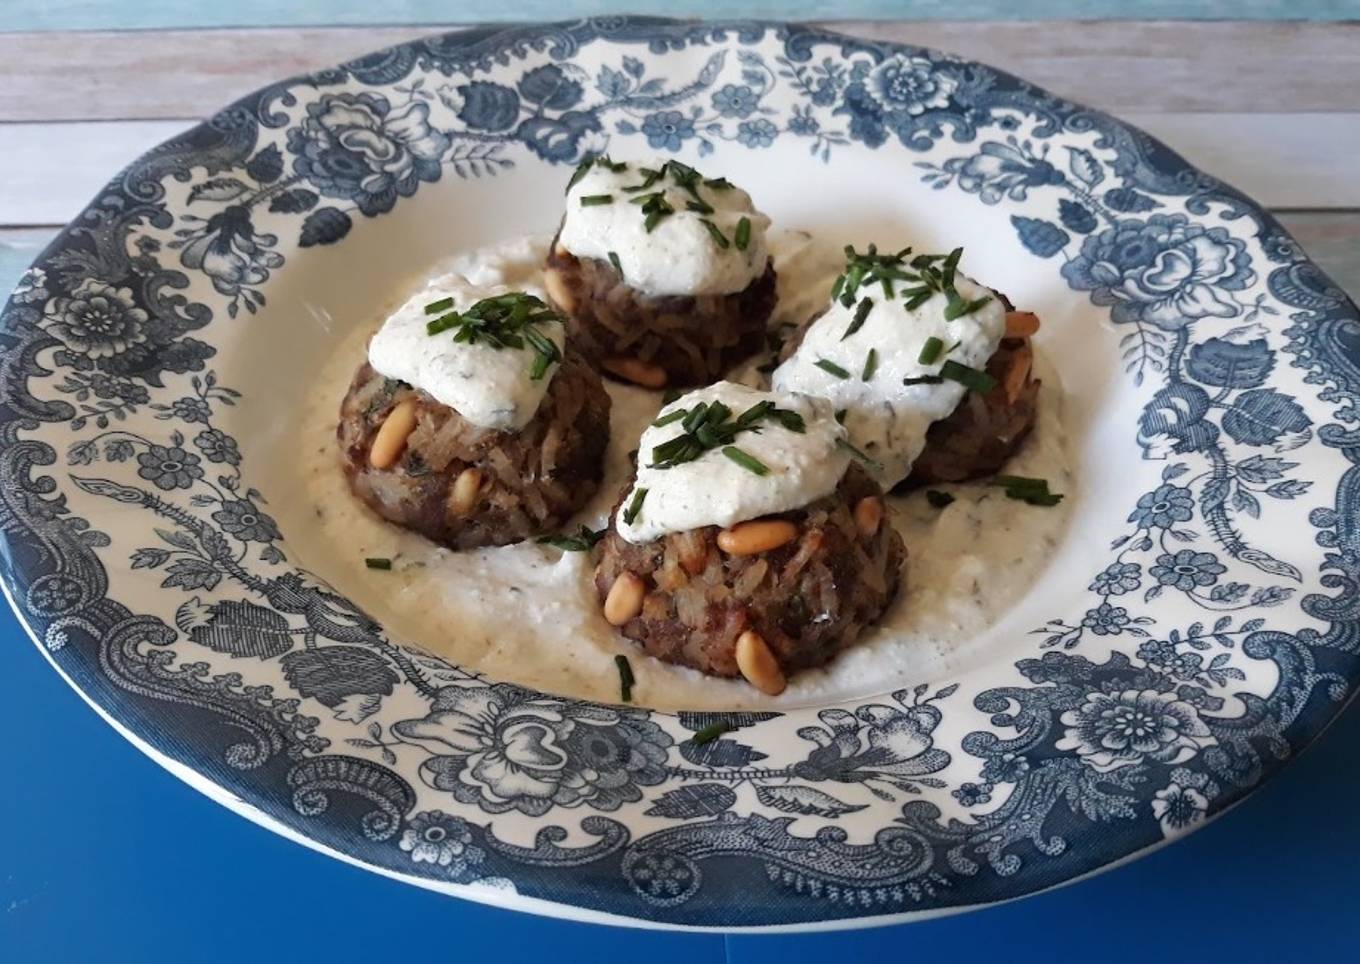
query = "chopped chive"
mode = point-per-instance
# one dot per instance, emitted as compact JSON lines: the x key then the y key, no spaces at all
{"x":711,"y":732}
{"x":1020,"y":482}
{"x":930,"y":351}
{"x":958,"y":307}
{"x":626,"y":679}
{"x":442,"y":324}
{"x":583,"y":541}
{"x":746,"y":460}
{"x":1035,"y":498}
{"x":969,"y":378}
{"x":718,"y":183}
{"x":669,"y":417}
{"x":378,"y":562}
{"x":870,"y":365}
{"x":831,"y":368}
{"x":862,"y":310}
{"x":614,"y":260}
{"x":635,"y":506}
{"x":917,"y":300}
{"x":858,"y":455}
{"x":922,"y":380}
{"x":580,"y":172}
{"x":671,"y":395}
{"x":950,"y":349}
{"x":715,"y":233}
{"x":939,"y":499}
{"x":743,"y":234}
{"x":836,"y":288}
{"x":435,"y":307}
{"x":700,"y":207}
{"x":594,"y":200}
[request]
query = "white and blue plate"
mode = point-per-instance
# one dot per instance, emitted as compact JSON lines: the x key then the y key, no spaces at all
{"x":1198,"y":626}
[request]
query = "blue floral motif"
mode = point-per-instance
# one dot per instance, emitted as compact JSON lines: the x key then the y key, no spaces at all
{"x":1187,"y":570}
{"x":735,"y":100}
{"x":667,"y":129}
{"x":1117,"y":578}
{"x":757,"y":133}
{"x":357,"y":148}
{"x":169,"y":467}
{"x":1238,"y":334}
{"x":435,"y":837}
{"x":1164,"y":507}
{"x":1164,"y":271}
{"x":1106,"y":620}
{"x":1113,"y":730}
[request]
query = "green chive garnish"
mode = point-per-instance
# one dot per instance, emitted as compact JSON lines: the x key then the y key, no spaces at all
{"x":700,"y":207}
{"x":831,"y":368}
{"x":669,"y":417}
{"x":626,"y":680}
{"x":715,"y":233}
{"x":378,"y":562}
{"x":635,"y":506}
{"x":958,"y":307}
{"x":743,"y":234}
{"x":435,"y":307}
{"x":939,"y":499}
{"x":580,"y":172}
{"x":672,"y":394}
{"x":870,"y":365}
{"x":1028,"y":490}
{"x":582,"y":541}
{"x":862,"y":310}
{"x":836,"y":288}
{"x":594,"y":200}
{"x":916,"y":301}
{"x":614,"y":260}
{"x":922,"y":380}
{"x":969,"y":378}
{"x":718,"y":183}
{"x":711,"y":732}
{"x":930,"y":351}
{"x":746,"y":460}
{"x":858,"y":455}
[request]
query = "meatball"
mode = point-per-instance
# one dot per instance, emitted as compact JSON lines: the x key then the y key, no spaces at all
{"x":981,"y":435}
{"x":805,"y":600}
{"x":657,"y":340}
{"x":464,"y":486}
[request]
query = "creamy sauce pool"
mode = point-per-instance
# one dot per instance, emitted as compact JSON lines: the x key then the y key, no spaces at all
{"x":528,"y":613}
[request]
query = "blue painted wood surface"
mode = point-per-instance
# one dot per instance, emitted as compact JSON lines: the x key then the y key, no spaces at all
{"x":149,"y":14}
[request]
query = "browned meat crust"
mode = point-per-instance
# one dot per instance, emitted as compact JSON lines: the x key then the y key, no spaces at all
{"x":531,"y":480}
{"x":808,"y":599}
{"x":693,"y":339}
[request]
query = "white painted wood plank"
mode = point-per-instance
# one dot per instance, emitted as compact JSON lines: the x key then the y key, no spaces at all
{"x":1140,"y":66}
{"x":1331,"y":238}
{"x":49,"y":171}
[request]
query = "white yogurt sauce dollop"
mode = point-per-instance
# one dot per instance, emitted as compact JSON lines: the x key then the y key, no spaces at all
{"x":678,"y":256}
{"x":715,"y":490}
{"x":490,"y":387}
{"x":886,"y":419}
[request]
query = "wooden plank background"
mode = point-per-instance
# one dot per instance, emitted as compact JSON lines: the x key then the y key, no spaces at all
{"x":1271,"y":107}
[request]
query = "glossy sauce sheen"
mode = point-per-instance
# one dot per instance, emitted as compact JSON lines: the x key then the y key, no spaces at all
{"x":678,"y":256}
{"x":715,"y":490}
{"x":528,"y":613}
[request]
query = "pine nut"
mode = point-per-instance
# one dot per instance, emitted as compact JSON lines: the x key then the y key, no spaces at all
{"x":1017,"y":375}
{"x":869,"y":515}
{"x":466,"y":489}
{"x":557,"y":289}
{"x":391,"y":437}
{"x":624,"y":600}
{"x":636,"y":371}
{"x":1021,"y":324}
{"x":758,"y":535}
{"x":758,"y":664}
